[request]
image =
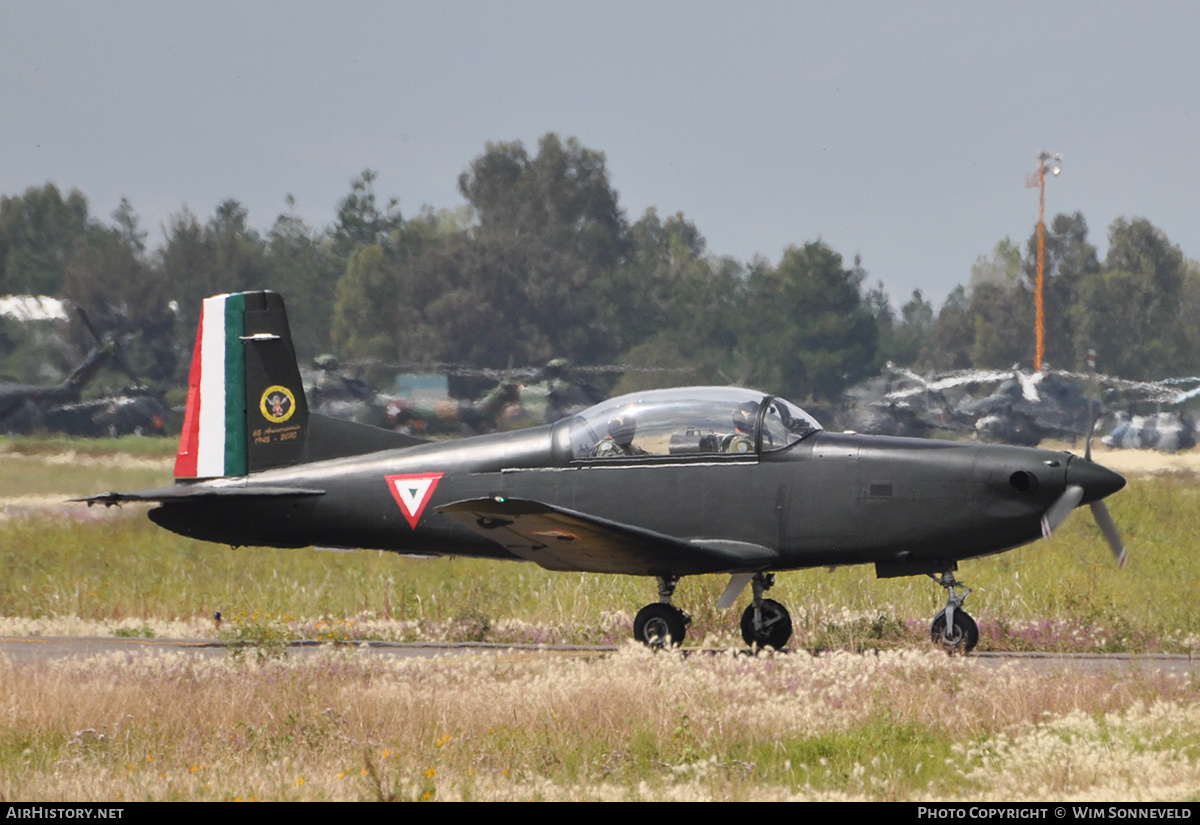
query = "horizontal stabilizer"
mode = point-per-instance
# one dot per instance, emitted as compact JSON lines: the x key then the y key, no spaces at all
{"x":337,"y":438}
{"x":561,"y":539}
{"x":184,"y":493}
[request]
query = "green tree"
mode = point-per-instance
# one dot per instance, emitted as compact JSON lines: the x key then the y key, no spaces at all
{"x":186,"y":261}
{"x":361,"y":221}
{"x":1131,"y":311}
{"x":809,"y":331}
{"x":223,"y":255}
{"x":911,"y":337}
{"x":365,"y":309}
{"x":125,"y":296}
{"x":302,"y":266}
{"x":953,"y":334}
{"x":531,"y":280}
{"x":668,"y":283}
{"x":1001,"y":310}
{"x":562,"y":197}
{"x":39,"y":231}
{"x":1069,"y":259}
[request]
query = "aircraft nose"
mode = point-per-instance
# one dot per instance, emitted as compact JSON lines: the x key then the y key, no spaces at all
{"x":1097,"y":481}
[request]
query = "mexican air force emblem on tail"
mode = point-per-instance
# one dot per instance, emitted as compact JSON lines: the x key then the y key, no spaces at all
{"x":277,"y":404}
{"x":412,"y":493}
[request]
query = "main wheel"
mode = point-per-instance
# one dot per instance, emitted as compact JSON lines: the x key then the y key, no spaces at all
{"x":660,"y":625}
{"x":776,"y":627}
{"x":962,"y":637}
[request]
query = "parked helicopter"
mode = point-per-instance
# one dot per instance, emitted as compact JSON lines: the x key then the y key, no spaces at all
{"x":57,"y":408}
{"x":520,"y":398}
{"x":664,"y":483}
{"x":19,"y":401}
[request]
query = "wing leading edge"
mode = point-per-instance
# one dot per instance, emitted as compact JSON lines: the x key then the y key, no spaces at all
{"x":194,"y":493}
{"x":560,"y":539}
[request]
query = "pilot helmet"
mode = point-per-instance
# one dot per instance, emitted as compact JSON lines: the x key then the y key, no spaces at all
{"x":326,"y":361}
{"x":556,"y":367}
{"x":621,"y":428}
{"x":745,"y":416}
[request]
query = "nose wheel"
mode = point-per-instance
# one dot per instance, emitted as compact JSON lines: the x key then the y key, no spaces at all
{"x":961,"y":637}
{"x":953,"y":630}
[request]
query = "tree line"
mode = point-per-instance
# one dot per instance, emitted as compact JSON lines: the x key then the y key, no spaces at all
{"x":542,"y":262}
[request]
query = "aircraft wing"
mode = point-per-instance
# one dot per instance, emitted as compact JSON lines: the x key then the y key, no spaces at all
{"x":561,"y":539}
{"x":194,"y":493}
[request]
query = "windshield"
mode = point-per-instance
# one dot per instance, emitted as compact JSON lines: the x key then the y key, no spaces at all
{"x":688,"y":421}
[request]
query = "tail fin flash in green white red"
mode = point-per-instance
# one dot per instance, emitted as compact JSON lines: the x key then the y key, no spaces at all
{"x":246,"y":408}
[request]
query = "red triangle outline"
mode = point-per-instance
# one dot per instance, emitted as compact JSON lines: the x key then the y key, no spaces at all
{"x":413,"y":518}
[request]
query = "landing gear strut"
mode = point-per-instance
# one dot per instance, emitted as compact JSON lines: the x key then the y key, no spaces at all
{"x":953,"y":630}
{"x":661,"y":624}
{"x":765,"y":623}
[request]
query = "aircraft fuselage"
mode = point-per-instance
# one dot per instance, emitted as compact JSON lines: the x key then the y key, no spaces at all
{"x":926,"y":503}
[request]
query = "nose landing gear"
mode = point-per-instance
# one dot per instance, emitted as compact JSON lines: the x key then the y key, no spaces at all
{"x":953,"y":630}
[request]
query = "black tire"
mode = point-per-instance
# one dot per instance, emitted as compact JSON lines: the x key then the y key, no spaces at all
{"x":776,"y":629}
{"x":963,"y":637}
{"x":660,"y":625}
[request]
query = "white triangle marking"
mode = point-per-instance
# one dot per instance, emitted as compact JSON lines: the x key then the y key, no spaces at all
{"x":411,"y":493}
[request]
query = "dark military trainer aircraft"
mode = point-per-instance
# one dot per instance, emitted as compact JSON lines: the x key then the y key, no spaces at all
{"x":667,"y":483}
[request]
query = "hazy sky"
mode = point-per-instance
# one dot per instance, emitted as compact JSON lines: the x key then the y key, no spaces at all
{"x":901,"y":132}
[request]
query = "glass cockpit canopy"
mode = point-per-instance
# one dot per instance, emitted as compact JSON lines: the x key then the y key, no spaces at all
{"x":689,"y":421}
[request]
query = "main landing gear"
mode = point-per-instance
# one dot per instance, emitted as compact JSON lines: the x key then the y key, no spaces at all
{"x":765,"y":623}
{"x":953,"y":630}
{"x":662,"y":624}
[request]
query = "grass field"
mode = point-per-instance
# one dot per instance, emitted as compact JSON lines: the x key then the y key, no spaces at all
{"x":901,"y":723}
{"x":113,"y":570}
{"x":631,"y":725}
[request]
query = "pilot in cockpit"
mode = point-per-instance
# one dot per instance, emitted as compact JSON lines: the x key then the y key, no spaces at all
{"x":745,"y":421}
{"x":619,"y":441}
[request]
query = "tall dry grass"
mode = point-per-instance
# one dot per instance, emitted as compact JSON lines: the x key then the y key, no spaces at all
{"x":633,"y":725}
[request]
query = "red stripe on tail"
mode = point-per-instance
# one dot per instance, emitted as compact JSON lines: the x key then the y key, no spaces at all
{"x":189,"y":440}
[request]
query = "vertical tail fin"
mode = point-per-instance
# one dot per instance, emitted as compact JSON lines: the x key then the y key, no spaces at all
{"x":246,"y":409}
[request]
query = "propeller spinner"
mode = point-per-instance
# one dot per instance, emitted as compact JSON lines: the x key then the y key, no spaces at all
{"x":1088,"y":483}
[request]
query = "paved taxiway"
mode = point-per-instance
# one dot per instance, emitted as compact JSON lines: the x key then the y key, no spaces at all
{"x":33,"y":649}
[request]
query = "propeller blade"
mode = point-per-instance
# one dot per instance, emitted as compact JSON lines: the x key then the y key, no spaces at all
{"x":1060,"y":509}
{"x":1109,"y":528}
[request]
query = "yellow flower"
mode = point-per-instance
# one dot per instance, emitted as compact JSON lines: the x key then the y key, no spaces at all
{"x":431,"y":773}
